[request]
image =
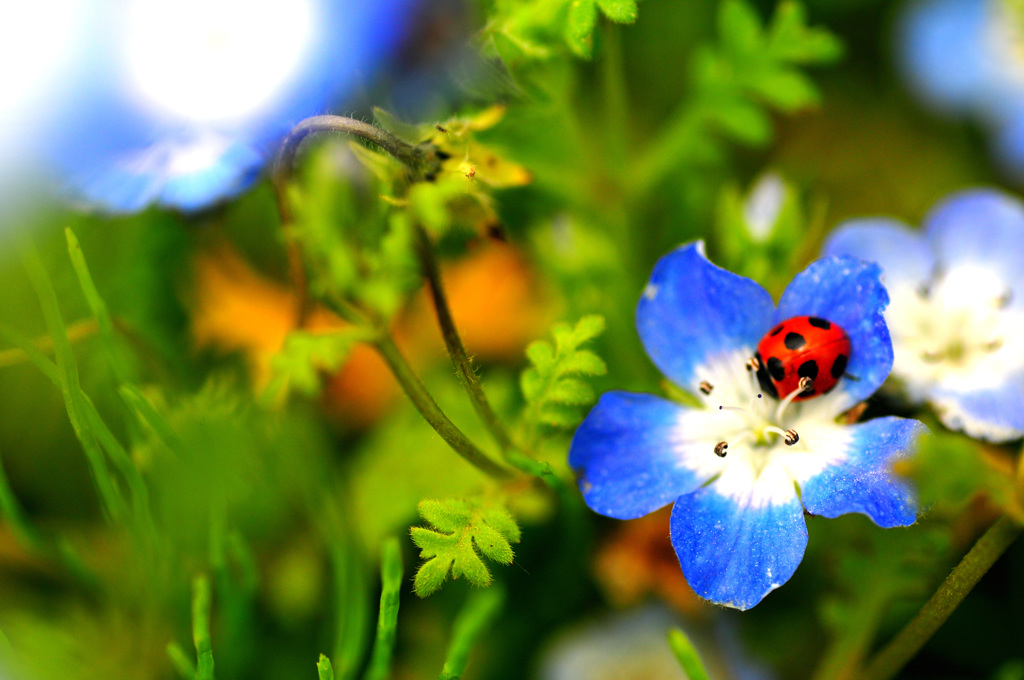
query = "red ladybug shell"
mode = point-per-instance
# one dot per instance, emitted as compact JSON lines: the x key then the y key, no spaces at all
{"x":803,"y":346}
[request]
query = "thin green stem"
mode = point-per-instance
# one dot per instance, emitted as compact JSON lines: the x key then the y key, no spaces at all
{"x":432,"y":413}
{"x":901,"y":649}
{"x":456,"y":350}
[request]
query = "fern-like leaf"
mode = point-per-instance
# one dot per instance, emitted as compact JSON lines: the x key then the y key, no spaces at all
{"x":462,"y":530}
{"x":553,"y":385}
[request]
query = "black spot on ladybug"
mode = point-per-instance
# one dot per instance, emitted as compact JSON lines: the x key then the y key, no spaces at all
{"x":839,"y":366}
{"x":794,"y":341}
{"x":762,"y":378}
{"x":819,"y":323}
{"x":777,"y":330}
{"x":776,"y":369}
{"x":808,"y":369}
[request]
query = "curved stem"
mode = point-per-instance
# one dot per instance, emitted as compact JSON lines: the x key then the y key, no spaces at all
{"x":432,"y":413}
{"x":993,"y":543}
{"x":457,"y":351}
{"x":420,"y":159}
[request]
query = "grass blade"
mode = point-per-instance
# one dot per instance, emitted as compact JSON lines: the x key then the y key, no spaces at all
{"x":67,"y":368}
{"x":201,"y":604}
{"x":480,"y":610}
{"x":387,"y":622}
{"x":687,"y":655}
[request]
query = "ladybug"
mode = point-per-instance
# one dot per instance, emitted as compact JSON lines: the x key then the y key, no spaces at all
{"x":801,"y":347}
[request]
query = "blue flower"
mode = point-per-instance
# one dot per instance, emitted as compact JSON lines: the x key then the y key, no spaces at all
{"x":966,"y":58}
{"x":182,"y":103}
{"x":738,"y":521}
{"x":957,"y":313}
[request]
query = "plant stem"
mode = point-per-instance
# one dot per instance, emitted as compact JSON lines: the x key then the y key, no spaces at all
{"x":888,"y":662}
{"x":421,"y":160}
{"x":456,"y":350}
{"x":432,"y":413}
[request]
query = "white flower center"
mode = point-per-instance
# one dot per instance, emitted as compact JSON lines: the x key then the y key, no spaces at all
{"x":782,"y":443}
{"x":215,"y":60}
{"x":959,"y":329}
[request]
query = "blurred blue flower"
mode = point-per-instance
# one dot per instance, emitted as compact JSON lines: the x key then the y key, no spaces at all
{"x":738,"y":521}
{"x":182,"y":103}
{"x":633,"y":644}
{"x":957,"y":313}
{"x":966,"y":58}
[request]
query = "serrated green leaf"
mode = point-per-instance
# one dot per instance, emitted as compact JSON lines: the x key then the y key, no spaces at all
{"x":450,"y":516}
{"x":431,"y":575}
{"x":791,"y":40}
{"x":584,"y":362}
{"x":548,"y":391}
{"x":739,"y":28}
{"x":619,"y":11}
{"x":571,"y":391}
{"x":541,"y":353}
{"x":469,"y":527}
{"x":502,"y":520}
{"x":492,"y":544}
{"x":587,"y":328}
{"x":788,"y":90}
{"x":432,"y":543}
{"x":579,"y":27}
{"x":744,"y":122}
{"x":560,"y":415}
{"x":468,"y":565}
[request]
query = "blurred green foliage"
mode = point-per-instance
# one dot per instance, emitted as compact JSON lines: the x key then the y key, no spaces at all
{"x":149,"y":496}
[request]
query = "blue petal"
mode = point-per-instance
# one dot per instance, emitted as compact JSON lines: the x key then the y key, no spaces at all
{"x":233,"y":172}
{"x":847,"y":292}
{"x":628,"y":456}
{"x":982,"y":227}
{"x":735,"y":551}
{"x":692,"y":311}
{"x":995,"y":414}
{"x":863,"y":482}
{"x":902,"y":252}
{"x":941,"y":45}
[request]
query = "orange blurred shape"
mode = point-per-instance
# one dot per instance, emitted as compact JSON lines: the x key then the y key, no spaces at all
{"x":637,"y":560}
{"x":493,"y":294}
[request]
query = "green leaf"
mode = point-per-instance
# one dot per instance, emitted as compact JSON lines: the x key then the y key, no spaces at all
{"x":787,"y":89}
{"x":462,"y":531}
{"x":791,"y":40}
{"x":739,"y":28}
{"x":687,"y":655}
{"x":745,"y":122}
{"x":305,"y":356}
{"x":579,"y":28}
{"x":551,"y":386}
{"x":619,"y":11}
{"x":324,"y":669}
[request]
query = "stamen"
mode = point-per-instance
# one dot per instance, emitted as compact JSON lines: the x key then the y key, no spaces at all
{"x":1004,"y":299}
{"x":753,"y":364}
{"x":804,"y":385}
{"x":789,"y":436}
{"x":706,"y":387}
{"x":720,"y":449}
{"x":993,"y":345}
